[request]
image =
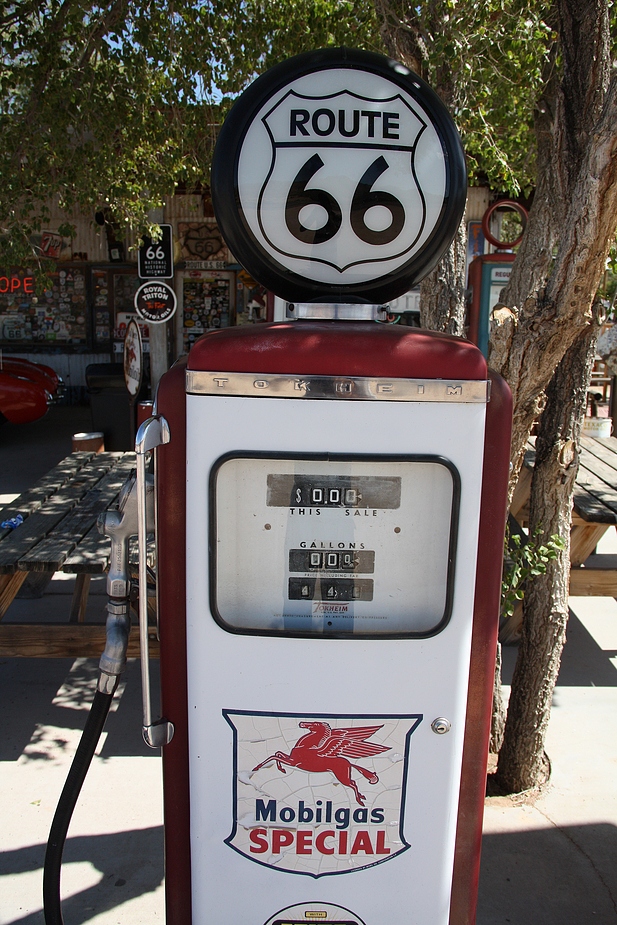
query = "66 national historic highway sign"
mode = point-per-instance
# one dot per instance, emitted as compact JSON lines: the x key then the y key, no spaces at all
{"x":339,"y":176}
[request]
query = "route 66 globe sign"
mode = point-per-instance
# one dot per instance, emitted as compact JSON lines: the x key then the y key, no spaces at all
{"x":339,"y":176}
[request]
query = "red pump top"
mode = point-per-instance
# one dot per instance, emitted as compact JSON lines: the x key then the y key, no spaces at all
{"x":338,"y":349}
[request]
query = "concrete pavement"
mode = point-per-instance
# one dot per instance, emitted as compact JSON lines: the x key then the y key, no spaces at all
{"x":552,"y":862}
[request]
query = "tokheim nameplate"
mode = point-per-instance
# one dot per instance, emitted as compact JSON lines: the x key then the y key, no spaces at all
{"x":346,"y":388}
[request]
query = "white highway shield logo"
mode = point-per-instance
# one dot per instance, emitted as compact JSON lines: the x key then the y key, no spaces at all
{"x":319,"y":795}
{"x":342,"y":189}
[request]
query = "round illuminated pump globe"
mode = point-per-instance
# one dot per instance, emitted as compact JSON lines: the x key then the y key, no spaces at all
{"x":339,"y":176}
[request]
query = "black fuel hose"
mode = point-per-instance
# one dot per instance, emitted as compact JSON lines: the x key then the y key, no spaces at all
{"x":57,"y":836}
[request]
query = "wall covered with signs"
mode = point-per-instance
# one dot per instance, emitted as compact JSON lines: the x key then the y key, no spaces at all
{"x":57,"y":317}
{"x":113,"y":292}
{"x":207,"y":303}
{"x":202,"y":241}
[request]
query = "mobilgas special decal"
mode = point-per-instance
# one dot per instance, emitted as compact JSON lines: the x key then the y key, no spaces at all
{"x":319,"y":794}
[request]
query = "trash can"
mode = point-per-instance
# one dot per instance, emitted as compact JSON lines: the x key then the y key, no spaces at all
{"x":110,"y":405}
{"x":94,"y":440}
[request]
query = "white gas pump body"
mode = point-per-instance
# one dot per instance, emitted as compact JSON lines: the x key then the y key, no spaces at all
{"x":341,"y":678}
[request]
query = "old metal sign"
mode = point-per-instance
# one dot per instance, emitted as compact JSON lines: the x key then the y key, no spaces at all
{"x":155,"y":302}
{"x":319,"y":795}
{"x":133,"y":358}
{"x":155,"y":259}
{"x":339,"y":176}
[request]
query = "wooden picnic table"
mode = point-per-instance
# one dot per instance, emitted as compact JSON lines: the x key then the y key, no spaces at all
{"x":594,"y":512}
{"x":59,"y":533}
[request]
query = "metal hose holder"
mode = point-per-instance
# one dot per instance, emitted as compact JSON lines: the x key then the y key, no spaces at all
{"x":152,"y":433}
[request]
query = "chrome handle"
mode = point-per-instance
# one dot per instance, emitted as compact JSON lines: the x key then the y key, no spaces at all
{"x":152,"y":433}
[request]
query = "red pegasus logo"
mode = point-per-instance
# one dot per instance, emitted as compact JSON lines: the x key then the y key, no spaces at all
{"x":327,"y":749}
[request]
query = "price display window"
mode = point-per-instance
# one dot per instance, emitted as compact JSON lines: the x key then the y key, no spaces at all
{"x":58,"y":316}
{"x":335,"y":546}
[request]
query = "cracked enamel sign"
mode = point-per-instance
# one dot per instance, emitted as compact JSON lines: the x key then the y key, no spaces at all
{"x":319,"y":795}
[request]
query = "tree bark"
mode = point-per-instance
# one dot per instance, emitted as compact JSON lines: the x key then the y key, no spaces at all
{"x":522,"y":761}
{"x":575,"y":120}
{"x":442,"y":299}
{"x":576,"y":208}
{"x":402,"y":35}
{"x":498,"y":716}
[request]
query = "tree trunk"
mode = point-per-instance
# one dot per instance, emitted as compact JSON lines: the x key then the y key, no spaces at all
{"x":548,"y":304}
{"x":575,"y":119}
{"x":575,"y":207}
{"x":442,"y":300}
{"x":498,"y":716}
{"x":522,"y":761}
{"x":405,"y":37}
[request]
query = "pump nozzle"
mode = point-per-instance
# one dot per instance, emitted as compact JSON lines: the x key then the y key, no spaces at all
{"x":120,"y":525}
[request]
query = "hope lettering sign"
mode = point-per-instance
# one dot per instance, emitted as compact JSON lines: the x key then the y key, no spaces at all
{"x":339,"y":177}
{"x":17,"y":284}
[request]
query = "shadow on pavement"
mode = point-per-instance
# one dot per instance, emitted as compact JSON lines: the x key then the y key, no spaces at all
{"x":583,"y":664}
{"x":538,"y":877}
{"x":130,"y":865}
{"x":28,"y":687}
{"x":552,"y":876}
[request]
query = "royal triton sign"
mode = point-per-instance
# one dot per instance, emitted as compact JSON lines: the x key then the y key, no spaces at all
{"x":339,"y":176}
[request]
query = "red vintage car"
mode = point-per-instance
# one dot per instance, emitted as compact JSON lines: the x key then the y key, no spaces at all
{"x":26,"y":389}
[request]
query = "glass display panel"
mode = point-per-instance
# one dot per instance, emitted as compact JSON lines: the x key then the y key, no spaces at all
{"x":338,"y":546}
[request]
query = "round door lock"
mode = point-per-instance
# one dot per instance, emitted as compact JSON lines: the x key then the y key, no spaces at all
{"x":441,"y":725}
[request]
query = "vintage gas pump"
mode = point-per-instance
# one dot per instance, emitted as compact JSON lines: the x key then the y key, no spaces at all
{"x":489,"y":273}
{"x":331,"y":507}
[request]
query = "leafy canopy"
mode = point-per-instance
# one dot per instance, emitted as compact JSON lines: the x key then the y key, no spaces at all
{"x":110,"y":105}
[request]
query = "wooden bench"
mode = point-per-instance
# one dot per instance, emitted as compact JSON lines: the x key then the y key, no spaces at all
{"x":594,"y":512}
{"x":59,"y":533}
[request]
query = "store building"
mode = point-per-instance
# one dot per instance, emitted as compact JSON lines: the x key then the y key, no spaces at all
{"x":82,"y":317}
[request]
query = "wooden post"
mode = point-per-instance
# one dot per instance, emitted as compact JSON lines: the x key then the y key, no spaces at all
{"x":158,"y":332}
{"x":158,"y":353}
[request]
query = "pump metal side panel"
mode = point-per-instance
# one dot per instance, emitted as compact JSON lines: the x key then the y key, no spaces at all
{"x":330,"y":591}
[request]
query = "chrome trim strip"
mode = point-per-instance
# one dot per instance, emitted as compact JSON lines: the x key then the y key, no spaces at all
{"x":350,"y":388}
{"x":335,"y":311}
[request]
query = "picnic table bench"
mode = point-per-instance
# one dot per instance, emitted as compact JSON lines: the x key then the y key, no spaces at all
{"x":59,"y":533}
{"x":594,"y":512}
